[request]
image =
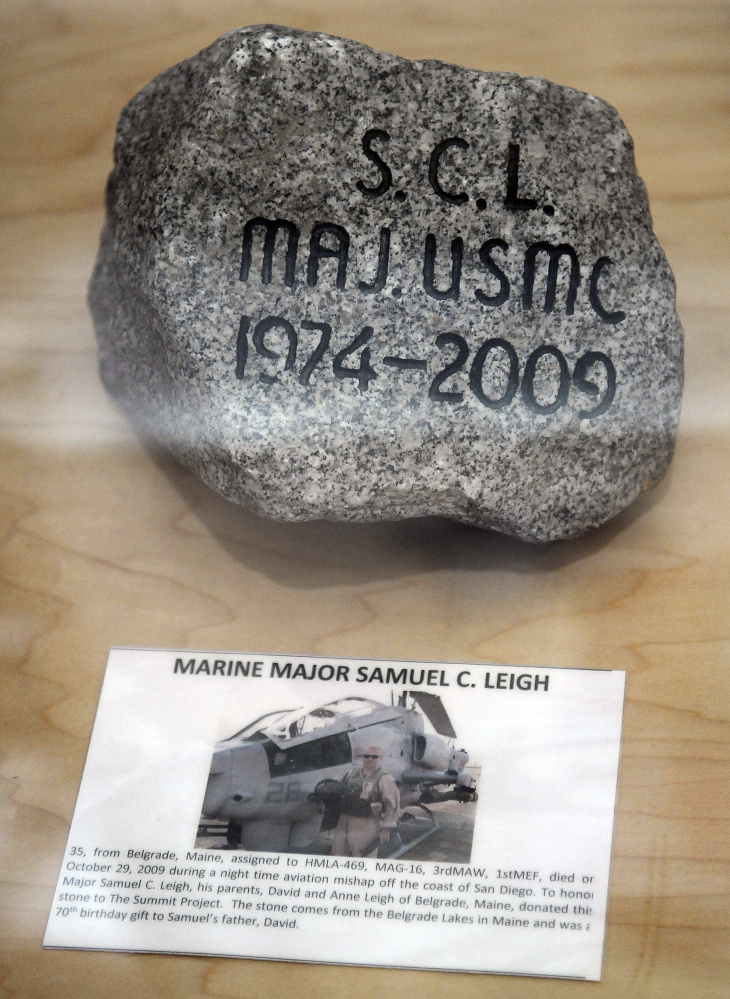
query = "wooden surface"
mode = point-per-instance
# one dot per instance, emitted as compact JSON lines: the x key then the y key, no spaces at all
{"x":105,"y":541}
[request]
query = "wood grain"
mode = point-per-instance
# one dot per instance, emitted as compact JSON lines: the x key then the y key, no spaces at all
{"x":104,"y":540}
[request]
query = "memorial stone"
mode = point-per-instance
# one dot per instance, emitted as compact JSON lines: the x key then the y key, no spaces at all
{"x":341,"y":284}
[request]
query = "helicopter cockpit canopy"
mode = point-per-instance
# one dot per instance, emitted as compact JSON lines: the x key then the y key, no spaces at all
{"x":292,"y":725}
{"x":344,"y":715}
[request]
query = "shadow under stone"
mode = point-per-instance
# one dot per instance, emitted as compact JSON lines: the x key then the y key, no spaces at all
{"x":323,"y":553}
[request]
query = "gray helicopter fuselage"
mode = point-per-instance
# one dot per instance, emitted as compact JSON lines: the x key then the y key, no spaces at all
{"x":264,"y":779}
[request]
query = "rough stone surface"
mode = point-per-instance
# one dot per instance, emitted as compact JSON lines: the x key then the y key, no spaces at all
{"x":543,"y":435}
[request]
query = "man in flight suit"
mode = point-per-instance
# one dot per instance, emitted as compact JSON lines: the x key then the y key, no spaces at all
{"x":370,"y":807}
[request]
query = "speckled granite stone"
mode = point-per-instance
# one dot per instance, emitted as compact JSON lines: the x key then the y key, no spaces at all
{"x":462,"y":308}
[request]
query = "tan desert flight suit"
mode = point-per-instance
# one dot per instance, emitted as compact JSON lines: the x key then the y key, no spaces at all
{"x":353,"y":833}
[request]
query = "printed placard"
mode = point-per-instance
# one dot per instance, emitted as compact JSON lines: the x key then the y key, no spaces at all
{"x":419,"y":815}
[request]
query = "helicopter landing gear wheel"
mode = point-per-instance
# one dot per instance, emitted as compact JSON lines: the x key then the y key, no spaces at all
{"x":233,"y":835}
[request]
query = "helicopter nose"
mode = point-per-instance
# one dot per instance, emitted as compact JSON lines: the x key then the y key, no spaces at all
{"x":237,"y":782}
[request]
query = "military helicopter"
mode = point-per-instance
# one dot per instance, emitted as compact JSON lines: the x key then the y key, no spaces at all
{"x":263,"y":779}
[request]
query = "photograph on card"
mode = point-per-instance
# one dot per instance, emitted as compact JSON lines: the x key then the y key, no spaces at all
{"x":351,"y":777}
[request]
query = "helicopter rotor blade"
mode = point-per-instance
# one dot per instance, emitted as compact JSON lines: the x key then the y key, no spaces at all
{"x":434,"y":710}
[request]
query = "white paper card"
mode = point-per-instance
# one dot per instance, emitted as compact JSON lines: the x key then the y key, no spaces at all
{"x":418,"y":815}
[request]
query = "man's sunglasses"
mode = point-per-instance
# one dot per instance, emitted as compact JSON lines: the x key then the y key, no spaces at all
{"x":370,"y":756}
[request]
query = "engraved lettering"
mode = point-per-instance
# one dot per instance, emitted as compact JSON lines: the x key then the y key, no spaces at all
{"x":381,"y":275}
{"x":262,"y":328}
{"x":435,"y":392}
{"x":429,"y":263}
{"x":555,"y":253}
{"x":485,"y":255}
{"x":271,"y":227}
{"x":433,"y":169}
{"x":582,"y":368}
{"x":386,"y":177}
{"x":477,"y":370}
{"x":242,"y":346}
{"x":406,"y":363}
{"x":319,"y":252}
{"x":319,"y":351}
{"x":364,"y":372}
{"x":600,"y":387}
{"x":608,"y":317}
{"x":528,"y":381}
{"x":512,"y":200}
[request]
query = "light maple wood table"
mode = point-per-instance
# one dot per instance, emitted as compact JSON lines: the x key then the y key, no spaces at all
{"x":106,"y":541}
